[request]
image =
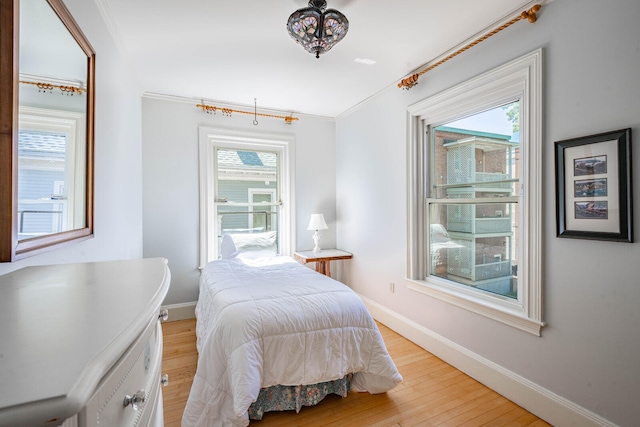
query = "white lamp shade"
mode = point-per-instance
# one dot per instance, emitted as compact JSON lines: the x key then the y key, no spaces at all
{"x":317,"y":222}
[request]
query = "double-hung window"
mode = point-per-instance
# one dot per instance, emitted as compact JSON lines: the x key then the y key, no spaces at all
{"x":474,"y":194}
{"x":245,"y":188}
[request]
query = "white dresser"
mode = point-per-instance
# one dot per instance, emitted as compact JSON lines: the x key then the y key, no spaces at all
{"x":81,"y":344}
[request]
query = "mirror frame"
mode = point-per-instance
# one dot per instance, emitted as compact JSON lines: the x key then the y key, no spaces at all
{"x":12,"y":249}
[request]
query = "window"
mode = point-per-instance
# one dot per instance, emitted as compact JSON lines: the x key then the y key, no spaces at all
{"x":474,"y":194}
{"x":245,"y":187}
{"x":51,"y":189}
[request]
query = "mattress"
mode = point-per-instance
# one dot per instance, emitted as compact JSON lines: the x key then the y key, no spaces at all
{"x":271,"y":321}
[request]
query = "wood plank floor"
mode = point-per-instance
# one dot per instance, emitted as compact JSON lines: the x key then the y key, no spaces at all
{"x":432,"y":394}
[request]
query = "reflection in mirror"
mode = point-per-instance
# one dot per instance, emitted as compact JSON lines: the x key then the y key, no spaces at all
{"x":46,"y":128}
{"x":50,"y":171}
{"x":51,"y":137}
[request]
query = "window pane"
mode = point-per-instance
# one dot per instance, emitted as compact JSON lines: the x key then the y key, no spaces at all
{"x":246,"y":191}
{"x":475,"y":243}
{"x":478,"y":151}
{"x":261,"y":217}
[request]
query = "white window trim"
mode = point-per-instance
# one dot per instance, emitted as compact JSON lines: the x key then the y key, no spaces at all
{"x":518,"y":79}
{"x":209,"y":138}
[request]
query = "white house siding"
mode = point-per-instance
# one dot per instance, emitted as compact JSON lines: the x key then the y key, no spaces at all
{"x":238,"y":191}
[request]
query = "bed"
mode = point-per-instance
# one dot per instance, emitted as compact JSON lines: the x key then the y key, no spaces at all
{"x":268,"y":325}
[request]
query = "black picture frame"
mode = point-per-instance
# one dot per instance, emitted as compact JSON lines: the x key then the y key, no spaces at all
{"x":585,"y":212}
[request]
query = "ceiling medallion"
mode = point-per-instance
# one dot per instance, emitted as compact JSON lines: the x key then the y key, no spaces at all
{"x":317,"y":29}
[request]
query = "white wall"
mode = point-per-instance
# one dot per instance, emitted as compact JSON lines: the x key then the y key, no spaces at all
{"x":170,"y":181}
{"x":118,"y":155}
{"x":589,"y":351}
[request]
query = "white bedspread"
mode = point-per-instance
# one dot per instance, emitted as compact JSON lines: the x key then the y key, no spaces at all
{"x":273,"y":321}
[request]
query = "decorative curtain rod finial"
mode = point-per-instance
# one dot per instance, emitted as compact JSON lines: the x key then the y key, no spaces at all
{"x":530,"y":14}
{"x":409,"y":82}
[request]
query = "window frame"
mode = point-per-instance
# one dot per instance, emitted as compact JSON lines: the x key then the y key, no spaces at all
{"x":520,"y":79}
{"x":211,"y":138}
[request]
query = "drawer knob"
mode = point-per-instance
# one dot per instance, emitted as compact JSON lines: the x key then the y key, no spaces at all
{"x":138,"y":397}
{"x":164,"y":315}
{"x":164,"y":380}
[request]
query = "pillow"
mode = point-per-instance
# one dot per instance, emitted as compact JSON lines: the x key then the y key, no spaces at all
{"x":242,"y":230}
{"x":227,"y":247}
{"x":254,"y":241}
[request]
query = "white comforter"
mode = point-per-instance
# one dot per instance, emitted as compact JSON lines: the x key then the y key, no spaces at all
{"x":273,"y":321}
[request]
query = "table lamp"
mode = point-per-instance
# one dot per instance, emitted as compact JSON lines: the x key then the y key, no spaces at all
{"x":317,"y":223}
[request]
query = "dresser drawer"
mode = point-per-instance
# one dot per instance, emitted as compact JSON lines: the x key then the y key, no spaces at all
{"x":129,"y":394}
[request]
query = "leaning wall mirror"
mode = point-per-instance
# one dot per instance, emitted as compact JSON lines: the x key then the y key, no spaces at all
{"x":46,"y":146}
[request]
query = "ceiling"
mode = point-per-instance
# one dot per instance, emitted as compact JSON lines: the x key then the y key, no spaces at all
{"x":239,"y":51}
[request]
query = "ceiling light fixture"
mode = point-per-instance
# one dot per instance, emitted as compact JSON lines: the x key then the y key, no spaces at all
{"x":317,"y":29}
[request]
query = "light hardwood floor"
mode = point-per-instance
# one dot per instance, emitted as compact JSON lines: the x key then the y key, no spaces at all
{"x":432,"y":393}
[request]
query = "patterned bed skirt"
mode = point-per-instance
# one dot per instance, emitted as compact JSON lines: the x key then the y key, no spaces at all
{"x":285,"y":398}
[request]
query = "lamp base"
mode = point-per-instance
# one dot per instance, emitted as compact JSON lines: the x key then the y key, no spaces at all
{"x":316,"y":239}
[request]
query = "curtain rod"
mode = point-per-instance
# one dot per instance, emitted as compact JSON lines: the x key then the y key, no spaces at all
{"x":69,"y":90}
{"x":529,"y":15}
{"x":212,"y":109}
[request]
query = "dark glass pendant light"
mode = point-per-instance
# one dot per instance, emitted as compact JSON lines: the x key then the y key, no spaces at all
{"x":317,"y":29}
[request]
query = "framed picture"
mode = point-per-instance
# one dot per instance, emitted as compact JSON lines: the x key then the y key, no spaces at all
{"x":593,"y":187}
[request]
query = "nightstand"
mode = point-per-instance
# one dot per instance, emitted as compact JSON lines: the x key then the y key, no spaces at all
{"x":322,"y":259}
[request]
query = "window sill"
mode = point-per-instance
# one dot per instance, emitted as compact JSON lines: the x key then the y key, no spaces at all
{"x":504,"y":310}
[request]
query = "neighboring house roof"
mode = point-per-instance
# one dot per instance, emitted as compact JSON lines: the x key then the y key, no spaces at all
{"x":41,"y":144}
{"x":483,"y":143}
{"x":247,"y":165}
{"x":474,"y":133}
{"x":41,"y":150}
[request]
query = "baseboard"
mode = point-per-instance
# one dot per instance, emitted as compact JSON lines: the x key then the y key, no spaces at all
{"x":180,"y":311}
{"x":545,"y":404}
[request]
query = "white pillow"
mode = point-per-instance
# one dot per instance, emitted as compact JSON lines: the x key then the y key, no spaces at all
{"x":227,"y":247}
{"x":254,"y":241}
{"x":242,"y":230}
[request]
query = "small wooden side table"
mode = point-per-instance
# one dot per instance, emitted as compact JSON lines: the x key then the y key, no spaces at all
{"x":322,"y":259}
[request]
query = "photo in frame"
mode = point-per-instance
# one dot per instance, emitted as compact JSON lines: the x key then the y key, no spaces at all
{"x":593,"y":187}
